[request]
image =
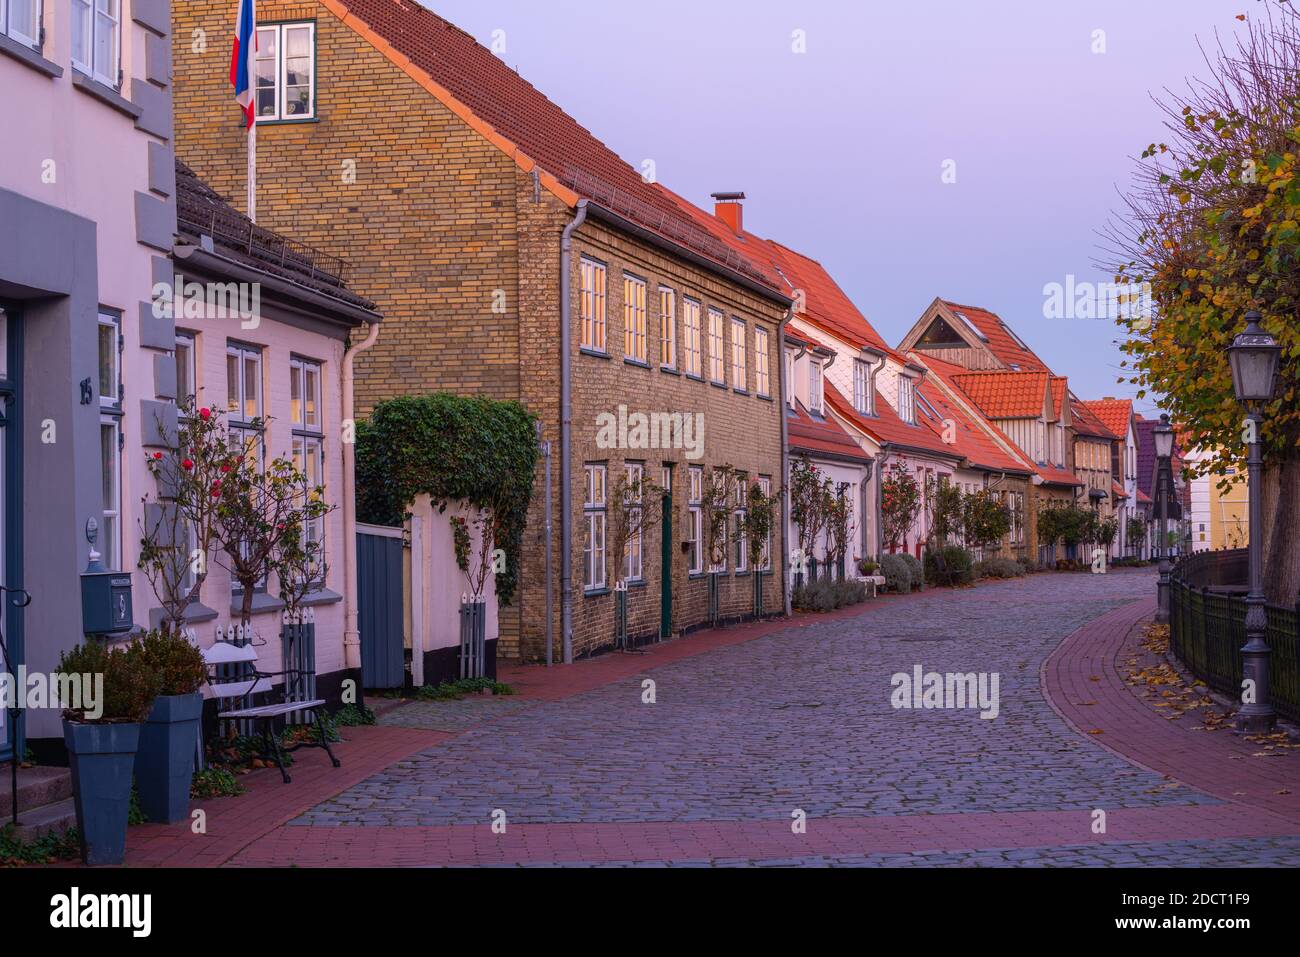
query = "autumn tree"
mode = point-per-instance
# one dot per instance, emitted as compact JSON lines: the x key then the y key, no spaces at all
{"x":1212,"y":224}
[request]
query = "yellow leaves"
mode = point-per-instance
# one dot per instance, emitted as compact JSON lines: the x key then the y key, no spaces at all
{"x":1251,"y":212}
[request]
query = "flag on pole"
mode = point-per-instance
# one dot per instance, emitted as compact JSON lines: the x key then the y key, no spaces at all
{"x":241,"y":60}
{"x":242,"y":66}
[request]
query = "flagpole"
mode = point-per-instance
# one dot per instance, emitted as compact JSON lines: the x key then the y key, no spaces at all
{"x":252,"y":171}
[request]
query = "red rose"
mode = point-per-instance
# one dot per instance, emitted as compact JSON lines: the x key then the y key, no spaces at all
{"x":187,"y":464}
{"x":157,"y":455}
{"x":205,"y":413}
{"x":225,"y":468}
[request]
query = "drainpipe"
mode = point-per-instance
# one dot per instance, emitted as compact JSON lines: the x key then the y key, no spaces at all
{"x":351,"y":636}
{"x":566,"y":435}
{"x":785,"y":468}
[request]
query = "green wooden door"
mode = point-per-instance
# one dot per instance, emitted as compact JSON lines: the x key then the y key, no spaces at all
{"x":666,"y":560}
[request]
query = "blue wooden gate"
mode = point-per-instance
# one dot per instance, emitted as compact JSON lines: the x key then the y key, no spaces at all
{"x":379,"y":606}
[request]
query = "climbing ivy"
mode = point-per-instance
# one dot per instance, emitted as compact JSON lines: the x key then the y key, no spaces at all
{"x":450,"y":447}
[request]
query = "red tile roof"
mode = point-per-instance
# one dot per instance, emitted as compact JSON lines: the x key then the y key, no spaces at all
{"x":513,"y":109}
{"x":970,"y":439}
{"x":887,"y":428}
{"x":809,"y":433}
{"x":1000,"y":340}
{"x":1005,"y":395}
{"x":825,"y":303}
{"x":1058,"y":476}
{"x":1115,"y":414}
{"x":1118,"y":491}
{"x":1086,"y":422}
{"x":1060,"y":387}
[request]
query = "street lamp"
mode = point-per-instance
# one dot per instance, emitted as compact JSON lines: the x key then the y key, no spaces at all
{"x":1164,"y":438}
{"x":1254,"y":356}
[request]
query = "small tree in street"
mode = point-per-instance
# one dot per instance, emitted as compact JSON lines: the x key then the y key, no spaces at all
{"x":986,"y":520}
{"x":637,"y":505}
{"x":900,"y":503}
{"x":807,"y":509}
{"x":839,"y":524}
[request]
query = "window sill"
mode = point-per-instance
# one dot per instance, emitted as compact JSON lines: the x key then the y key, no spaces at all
{"x":765,"y":398}
{"x":106,"y":95}
{"x":284,"y":122}
{"x":693,"y":378}
{"x":669,"y":370}
{"x":321,"y":596}
{"x":262,"y":603}
{"x":744,"y":574}
{"x":718,"y":385}
{"x":635,"y":362}
{"x":29,"y":57}
{"x":194,"y":613}
{"x":595,"y":592}
{"x":594,"y":353}
{"x":741,"y":391}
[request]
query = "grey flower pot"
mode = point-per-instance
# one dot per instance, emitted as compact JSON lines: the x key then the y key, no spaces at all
{"x":164,"y":765}
{"x":101,"y":757}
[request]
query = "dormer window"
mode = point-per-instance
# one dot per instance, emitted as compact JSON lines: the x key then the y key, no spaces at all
{"x":815,"y":386}
{"x":862,"y":388}
{"x":907,"y":400}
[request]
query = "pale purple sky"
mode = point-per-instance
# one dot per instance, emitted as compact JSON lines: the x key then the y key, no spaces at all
{"x":841,"y":149}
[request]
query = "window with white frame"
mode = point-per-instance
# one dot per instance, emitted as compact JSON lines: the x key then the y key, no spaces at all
{"x":110,"y":362}
{"x":21,"y":20}
{"x":244,"y":418}
{"x":285,"y":65}
{"x":907,"y":400}
{"x":762,"y":358}
{"x":695,"y":513}
{"x":667,"y":328}
{"x":109,"y":543}
{"x":186,"y":369}
{"x":634,"y":319}
{"x":593,"y":537}
{"x":306,"y":418}
{"x":591,"y":276}
{"x":815,"y":386}
{"x":691,"y":336}
{"x":861,"y":387}
{"x":739,"y":511}
{"x":632,"y":570}
{"x":765,"y":562}
{"x":789,"y":378}
{"x":717,"y":345}
{"x":739,"y":361}
{"x":96,"y":39}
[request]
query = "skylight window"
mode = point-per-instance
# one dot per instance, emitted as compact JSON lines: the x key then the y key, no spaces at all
{"x":971,"y":326}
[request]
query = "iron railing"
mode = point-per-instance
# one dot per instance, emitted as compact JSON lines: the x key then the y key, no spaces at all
{"x":1207,"y":627}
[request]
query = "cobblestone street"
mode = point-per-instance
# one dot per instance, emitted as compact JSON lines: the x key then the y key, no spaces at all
{"x":755,"y":727}
{"x":801,"y":719}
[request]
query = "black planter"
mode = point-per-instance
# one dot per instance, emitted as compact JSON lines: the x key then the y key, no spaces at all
{"x":101,"y":758}
{"x":164,"y":765}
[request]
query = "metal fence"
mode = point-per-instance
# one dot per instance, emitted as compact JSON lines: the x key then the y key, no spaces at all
{"x":1207,"y":627}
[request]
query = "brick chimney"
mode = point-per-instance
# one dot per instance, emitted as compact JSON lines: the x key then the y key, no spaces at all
{"x":727,"y":207}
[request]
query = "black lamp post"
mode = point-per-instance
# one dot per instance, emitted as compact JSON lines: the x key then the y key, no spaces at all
{"x":1164,"y":438}
{"x":1254,"y":356}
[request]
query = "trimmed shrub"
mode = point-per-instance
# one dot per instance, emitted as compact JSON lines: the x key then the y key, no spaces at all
{"x":914,"y":566}
{"x":950,"y":565}
{"x":897,"y":572}
{"x":999,"y":568}
{"x":827,"y":595}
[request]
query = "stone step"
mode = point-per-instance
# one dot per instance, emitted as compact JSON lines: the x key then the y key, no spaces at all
{"x":36,"y":787}
{"x":47,"y":819}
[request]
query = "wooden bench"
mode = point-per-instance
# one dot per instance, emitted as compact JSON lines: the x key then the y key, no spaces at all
{"x":241,"y":688}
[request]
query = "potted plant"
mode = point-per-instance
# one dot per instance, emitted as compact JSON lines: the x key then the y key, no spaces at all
{"x":164,"y":763}
{"x":867,"y":567}
{"x":101,"y":732}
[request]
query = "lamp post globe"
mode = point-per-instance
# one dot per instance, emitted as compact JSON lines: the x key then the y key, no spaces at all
{"x":1164,"y":441}
{"x":1254,"y":357}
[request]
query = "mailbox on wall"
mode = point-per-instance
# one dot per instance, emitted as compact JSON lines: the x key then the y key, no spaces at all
{"x":106,"y":603}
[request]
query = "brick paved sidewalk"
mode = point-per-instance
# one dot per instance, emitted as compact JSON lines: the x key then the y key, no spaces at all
{"x":1084,"y":683}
